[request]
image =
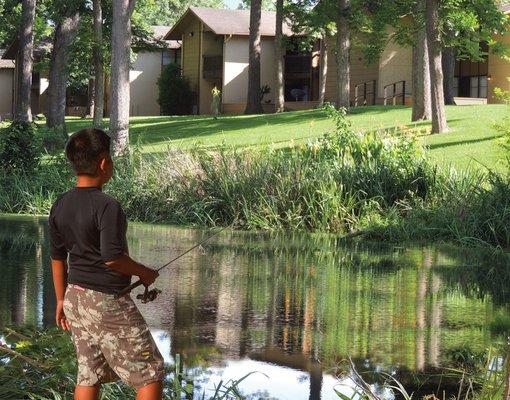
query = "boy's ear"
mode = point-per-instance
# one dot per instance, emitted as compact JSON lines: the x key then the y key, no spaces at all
{"x":103,"y":161}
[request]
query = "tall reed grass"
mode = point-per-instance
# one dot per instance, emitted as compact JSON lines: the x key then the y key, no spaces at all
{"x":378,"y":183}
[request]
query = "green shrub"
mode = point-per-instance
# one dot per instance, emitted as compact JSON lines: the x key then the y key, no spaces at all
{"x":19,"y":148}
{"x":50,"y":139}
{"x":175,"y":95}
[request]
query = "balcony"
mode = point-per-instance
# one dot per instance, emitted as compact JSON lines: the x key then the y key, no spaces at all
{"x":212,"y":67}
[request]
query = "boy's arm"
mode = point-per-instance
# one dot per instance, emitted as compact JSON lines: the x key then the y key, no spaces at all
{"x":127,"y":266}
{"x":59,"y":272}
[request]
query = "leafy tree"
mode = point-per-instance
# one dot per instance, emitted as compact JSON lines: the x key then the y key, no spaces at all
{"x":314,"y":19}
{"x":432,"y":9}
{"x":351,"y":22}
{"x":278,"y":56}
{"x":10,"y":20}
{"x":267,"y":5}
{"x":466,"y":24}
{"x":420,"y":67}
{"x":175,"y":95}
{"x":24,"y":61}
{"x":97,"y":108}
{"x":67,"y":15}
{"x":167,"y":12}
{"x":120,"y":91}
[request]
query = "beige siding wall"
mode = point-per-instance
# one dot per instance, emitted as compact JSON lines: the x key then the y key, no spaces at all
{"x":499,"y":71}
{"x":395,"y":65}
{"x":143,"y":77}
{"x":235,"y":69}
{"x":44,"y":82}
{"x":212,"y":45}
{"x":191,"y":55}
{"x":360,"y":72}
{"x":6,"y":82}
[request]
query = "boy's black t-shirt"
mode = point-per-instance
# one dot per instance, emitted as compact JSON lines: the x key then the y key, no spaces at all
{"x":91,"y":227}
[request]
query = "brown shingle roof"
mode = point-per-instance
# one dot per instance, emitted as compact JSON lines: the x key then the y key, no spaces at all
{"x":227,"y":22}
{"x":160,"y":31}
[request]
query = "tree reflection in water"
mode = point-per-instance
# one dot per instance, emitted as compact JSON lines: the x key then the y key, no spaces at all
{"x":303,"y":302}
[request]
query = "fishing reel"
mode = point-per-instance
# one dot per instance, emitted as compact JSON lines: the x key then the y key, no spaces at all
{"x":148,"y":295}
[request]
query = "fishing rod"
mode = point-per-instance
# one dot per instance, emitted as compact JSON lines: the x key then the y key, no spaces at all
{"x":150,"y":295}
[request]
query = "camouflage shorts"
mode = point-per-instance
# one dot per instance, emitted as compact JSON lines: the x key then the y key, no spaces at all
{"x":111,"y":338}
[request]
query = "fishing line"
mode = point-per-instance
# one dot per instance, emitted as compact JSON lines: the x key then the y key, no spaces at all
{"x":150,"y":295}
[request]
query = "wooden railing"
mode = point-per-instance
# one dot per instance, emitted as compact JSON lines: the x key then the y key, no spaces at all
{"x":394,"y":95}
{"x":363,"y":95}
{"x":213,"y":67}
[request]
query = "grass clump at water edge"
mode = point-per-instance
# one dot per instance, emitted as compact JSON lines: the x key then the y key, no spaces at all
{"x":41,"y":365}
{"x":378,"y":183}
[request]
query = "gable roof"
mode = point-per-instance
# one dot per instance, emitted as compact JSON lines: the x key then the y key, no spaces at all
{"x":226,"y":22}
{"x":158,"y":36}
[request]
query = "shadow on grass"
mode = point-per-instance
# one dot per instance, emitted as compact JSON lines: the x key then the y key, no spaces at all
{"x":156,"y":129}
{"x":460,"y":142}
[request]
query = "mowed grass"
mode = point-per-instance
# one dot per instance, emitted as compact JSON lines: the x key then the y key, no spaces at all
{"x":470,"y":144}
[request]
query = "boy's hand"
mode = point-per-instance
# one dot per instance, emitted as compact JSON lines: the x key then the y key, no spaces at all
{"x":60,"y":317}
{"x":148,"y":276}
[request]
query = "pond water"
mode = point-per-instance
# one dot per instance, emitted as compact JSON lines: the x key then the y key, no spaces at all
{"x":289,"y":306}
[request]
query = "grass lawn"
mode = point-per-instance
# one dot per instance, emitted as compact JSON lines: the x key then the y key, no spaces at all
{"x":471,"y":141}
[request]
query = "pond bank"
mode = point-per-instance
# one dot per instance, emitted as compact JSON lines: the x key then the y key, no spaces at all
{"x":378,"y":184}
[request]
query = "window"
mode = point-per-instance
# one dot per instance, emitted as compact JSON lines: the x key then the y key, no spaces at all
{"x":456,"y":86}
{"x":167,"y":58}
{"x":478,"y":86}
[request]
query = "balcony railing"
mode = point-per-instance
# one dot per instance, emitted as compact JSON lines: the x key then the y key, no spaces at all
{"x":298,"y":63}
{"x":365,"y":93}
{"x":392,"y":94}
{"x":213,"y":67}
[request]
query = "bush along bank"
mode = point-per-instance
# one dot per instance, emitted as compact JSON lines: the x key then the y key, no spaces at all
{"x":379,"y":184}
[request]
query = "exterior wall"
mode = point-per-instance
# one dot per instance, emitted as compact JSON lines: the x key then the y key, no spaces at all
{"x":499,"y":71}
{"x":190,"y":55}
{"x":43,"y":92}
{"x":212,"y":45}
{"x":235,"y":71}
{"x":360,"y":72}
{"x":395,"y":64}
{"x":143,"y":78}
{"x":6,"y":88}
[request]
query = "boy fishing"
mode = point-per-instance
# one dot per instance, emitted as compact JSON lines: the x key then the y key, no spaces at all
{"x":90,"y":265}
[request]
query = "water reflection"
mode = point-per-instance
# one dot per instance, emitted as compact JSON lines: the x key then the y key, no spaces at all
{"x":290,"y":306}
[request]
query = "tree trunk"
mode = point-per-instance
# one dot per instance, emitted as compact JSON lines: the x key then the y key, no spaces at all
{"x":448,"y":65}
{"x":421,"y":71}
{"x":343,"y":45}
{"x":91,"y":94}
{"x":97,"y":55}
{"x":436,"y":71}
{"x":279,"y":95}
{"x":120,"y":90}
{"x":323,"y":65}
{"x":253,"y":102}
{"x":24,"y":61}
{"x":65,"y":32}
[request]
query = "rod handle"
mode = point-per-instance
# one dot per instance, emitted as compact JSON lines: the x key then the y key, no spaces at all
{"x":128,"y":289}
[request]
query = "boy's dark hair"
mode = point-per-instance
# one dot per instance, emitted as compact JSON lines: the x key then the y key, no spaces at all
{"x":85,"y":147}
